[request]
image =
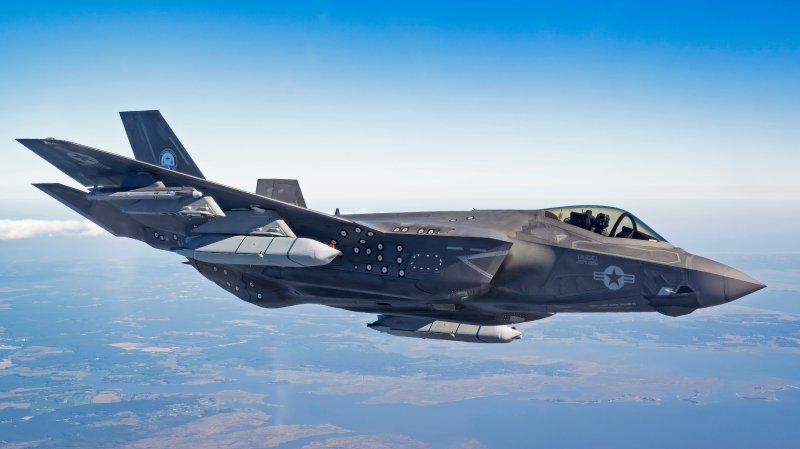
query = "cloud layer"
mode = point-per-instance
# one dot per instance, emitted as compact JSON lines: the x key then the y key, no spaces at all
{"x":27,"y":228}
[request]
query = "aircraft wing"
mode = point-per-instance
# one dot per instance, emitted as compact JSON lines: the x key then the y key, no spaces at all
{"x":101,"y":213}
{"x":96,"y":168}
{"x":216,"y":224}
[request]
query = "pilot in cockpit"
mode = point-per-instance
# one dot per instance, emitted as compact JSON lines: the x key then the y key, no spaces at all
{"x":588,"y":221}
{"x":609,"y":222}
{"x":600,"y":223}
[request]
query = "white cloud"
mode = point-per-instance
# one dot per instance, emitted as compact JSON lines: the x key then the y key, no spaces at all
{"x":27,"y":228}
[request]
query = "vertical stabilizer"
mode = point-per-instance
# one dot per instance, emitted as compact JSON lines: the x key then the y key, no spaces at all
{"x":286,"y":190}
{"x":154,"y":142}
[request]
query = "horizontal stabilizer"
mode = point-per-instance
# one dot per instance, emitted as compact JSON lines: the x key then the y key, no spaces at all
{"x":93,"y":167}
{"x":153,"y":141}
{"x":101,"y":213}
{"x":286,"y":190}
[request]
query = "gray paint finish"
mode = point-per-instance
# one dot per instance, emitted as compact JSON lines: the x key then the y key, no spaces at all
{"x":424,"y":273}
{"x":286,"y":190}
{"x":153,"y":141}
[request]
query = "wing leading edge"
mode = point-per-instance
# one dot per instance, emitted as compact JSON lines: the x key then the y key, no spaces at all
{"x":96,"y":168}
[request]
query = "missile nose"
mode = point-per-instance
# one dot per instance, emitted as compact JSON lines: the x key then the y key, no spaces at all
{"x":509,"y":333}
{"x":311,"y":253}
{"x":326,"y":254}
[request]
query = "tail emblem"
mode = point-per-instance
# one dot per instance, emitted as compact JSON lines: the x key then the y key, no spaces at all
{"x":168,"y":159}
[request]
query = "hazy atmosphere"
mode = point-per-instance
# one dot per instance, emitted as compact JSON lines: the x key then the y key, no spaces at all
{"x":687,"y":114}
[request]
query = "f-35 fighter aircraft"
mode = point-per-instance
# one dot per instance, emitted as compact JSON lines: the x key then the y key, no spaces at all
{"x":464,"y":276}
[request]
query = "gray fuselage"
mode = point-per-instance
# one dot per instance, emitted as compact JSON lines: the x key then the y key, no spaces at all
{"x":550,"y":267}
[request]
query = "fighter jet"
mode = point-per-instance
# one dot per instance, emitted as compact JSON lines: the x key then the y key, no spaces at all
{"x":466,"y":276}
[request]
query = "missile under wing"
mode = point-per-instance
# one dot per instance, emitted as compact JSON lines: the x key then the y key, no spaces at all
{"x":464,"y":275}
{"x":223,"y":231}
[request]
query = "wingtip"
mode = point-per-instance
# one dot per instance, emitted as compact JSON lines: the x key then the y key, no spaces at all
{"x":34,"y":145}
{"x":47,"y":188}
{"x":28,"y":143}
{"x":25,"y":141}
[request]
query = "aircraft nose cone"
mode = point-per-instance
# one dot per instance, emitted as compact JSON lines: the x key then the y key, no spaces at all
{"x":740,"y":285}
{"x":717,"y":283}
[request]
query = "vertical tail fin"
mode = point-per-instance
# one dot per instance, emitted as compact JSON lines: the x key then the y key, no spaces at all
{"x":154,"y":142}
{"x":286,"y":190}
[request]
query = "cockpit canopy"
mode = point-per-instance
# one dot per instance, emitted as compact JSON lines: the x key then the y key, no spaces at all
{"x":604,"y":220}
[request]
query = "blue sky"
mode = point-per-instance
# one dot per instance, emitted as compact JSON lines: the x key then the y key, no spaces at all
{"x":670,"y":109}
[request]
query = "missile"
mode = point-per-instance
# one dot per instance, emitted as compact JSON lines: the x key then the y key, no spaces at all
{"x":259,"y":251}
{"x":418,"y":327}
{"x":164,"y":193}
{"x":184,"y":201}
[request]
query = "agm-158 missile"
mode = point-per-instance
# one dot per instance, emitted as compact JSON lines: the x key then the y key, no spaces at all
{"x":405,"y":326}
{"x":259,"y":251}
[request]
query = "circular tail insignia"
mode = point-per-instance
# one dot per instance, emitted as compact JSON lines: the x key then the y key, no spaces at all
{"x":167,"y":159}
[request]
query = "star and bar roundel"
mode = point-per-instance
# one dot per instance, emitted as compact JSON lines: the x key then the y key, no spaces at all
{"x":614,"y":278}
